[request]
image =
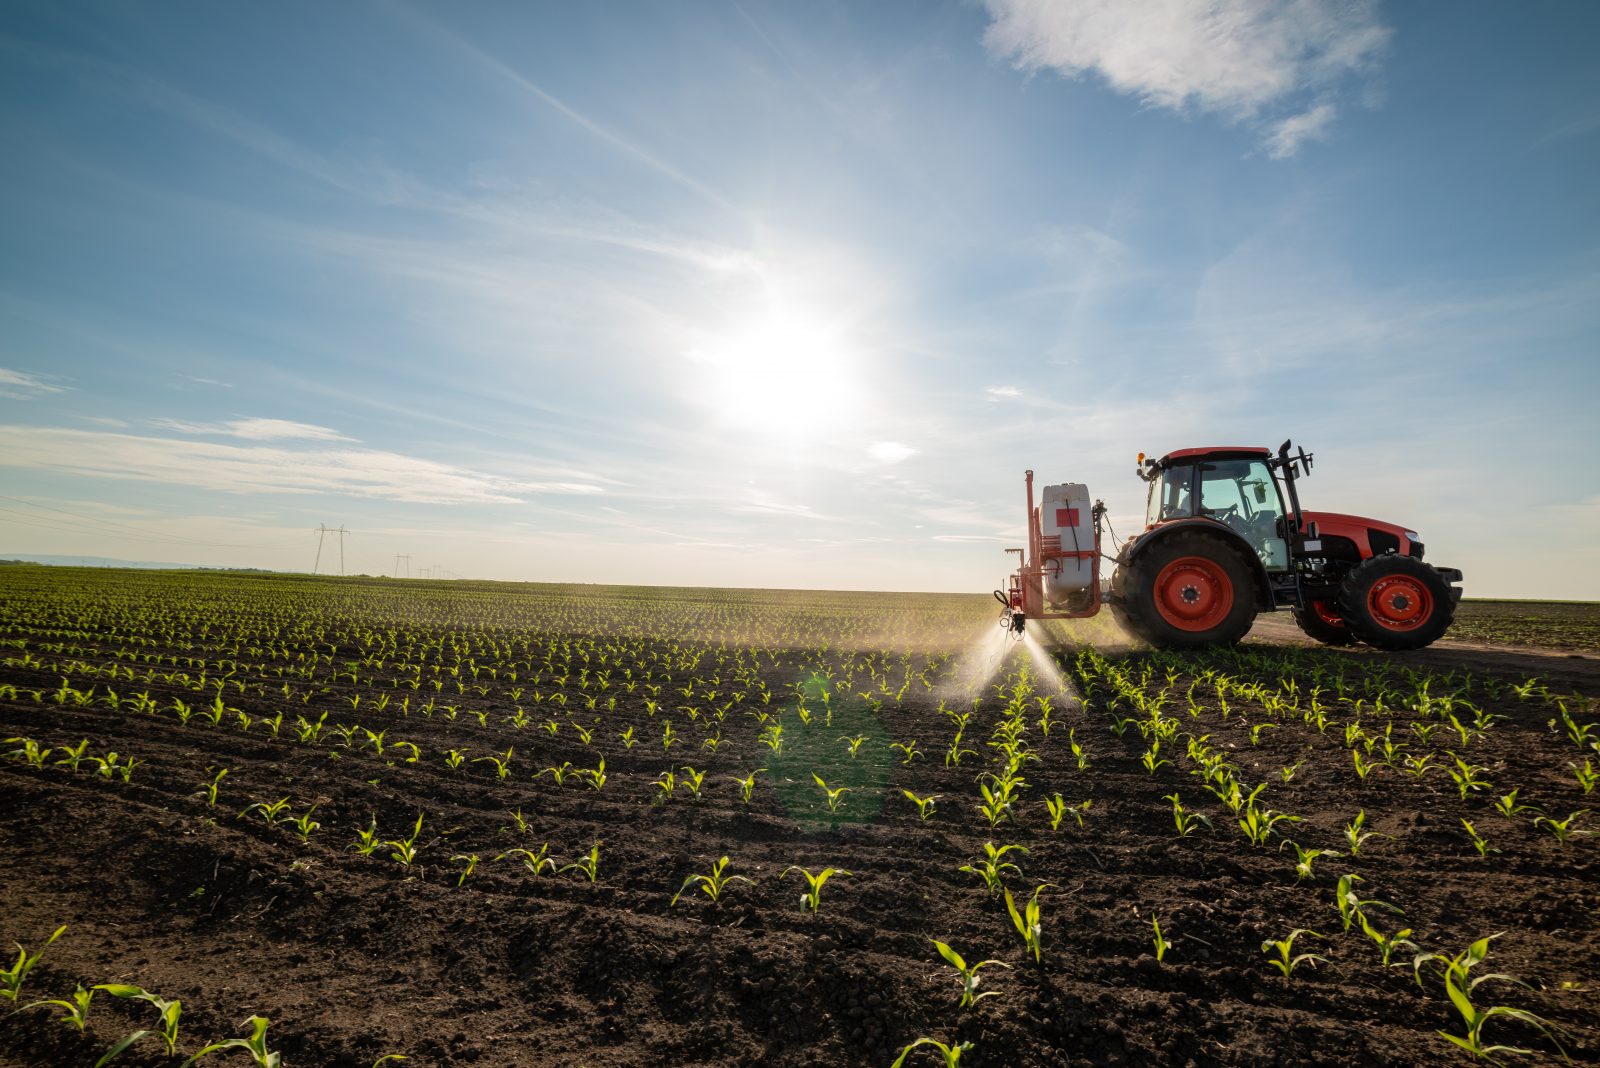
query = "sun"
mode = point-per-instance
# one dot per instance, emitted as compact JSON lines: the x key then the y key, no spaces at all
{"x":778,"y":371}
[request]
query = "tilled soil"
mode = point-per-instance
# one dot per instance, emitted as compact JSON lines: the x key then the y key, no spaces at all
{"x":353,"y":957}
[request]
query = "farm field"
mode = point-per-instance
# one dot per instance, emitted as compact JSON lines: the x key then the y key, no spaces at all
{"x":449,"y":821}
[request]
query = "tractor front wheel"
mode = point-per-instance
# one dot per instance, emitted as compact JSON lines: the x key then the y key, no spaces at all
{"x":1394,"y":602}
{"x":1321,"y":620}
{"x":1186,"y":591}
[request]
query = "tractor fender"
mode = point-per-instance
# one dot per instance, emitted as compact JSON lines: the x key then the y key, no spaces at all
{"x":1258,"y":571}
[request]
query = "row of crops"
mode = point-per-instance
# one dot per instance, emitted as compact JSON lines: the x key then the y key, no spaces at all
{"x":825,"y":756}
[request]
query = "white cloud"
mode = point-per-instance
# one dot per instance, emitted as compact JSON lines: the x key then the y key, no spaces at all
{"x":19,"y":385}
{"x":257,"y":430}
{"x":262,"y":469}
{"x":1287,"y":136}
{"x":890,"y":452}
{"x":1003,"y":392}
{"x":1234,"y":58}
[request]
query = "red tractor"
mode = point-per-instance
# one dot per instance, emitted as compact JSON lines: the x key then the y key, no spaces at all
{"x":1224,"y":538}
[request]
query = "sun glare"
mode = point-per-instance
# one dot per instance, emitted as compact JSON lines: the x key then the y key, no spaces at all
{"x":780,"y":372}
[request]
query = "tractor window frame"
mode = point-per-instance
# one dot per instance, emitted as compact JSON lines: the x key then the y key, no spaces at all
{"x":1171,"y":494}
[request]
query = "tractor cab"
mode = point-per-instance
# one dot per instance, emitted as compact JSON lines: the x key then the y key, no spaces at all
{"x":1233,"y":486}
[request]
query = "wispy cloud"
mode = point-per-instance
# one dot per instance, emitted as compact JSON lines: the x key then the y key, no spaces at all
{"x":1233,"y":58}
{"x":890,"y":452}
{"x":1286,"y":137}
{"x":19,"y":385}
{"x":997,"y":393}
{"x":256,"y":430}
{"x":369,"y":473}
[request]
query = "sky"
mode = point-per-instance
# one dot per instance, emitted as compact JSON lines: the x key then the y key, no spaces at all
{"x":784,"y":294}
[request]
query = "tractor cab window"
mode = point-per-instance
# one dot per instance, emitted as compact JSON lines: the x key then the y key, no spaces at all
{"x":1242,"y":495}
{"x":1171,"y":495}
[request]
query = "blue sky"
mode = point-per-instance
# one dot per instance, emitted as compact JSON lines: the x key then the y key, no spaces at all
{"x":783,"y":294}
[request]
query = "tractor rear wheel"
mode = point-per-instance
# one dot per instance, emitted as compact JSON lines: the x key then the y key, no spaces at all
{"x":1186,"y":591}
{"x":1394,"y":602}
{"x":1321,"y":620}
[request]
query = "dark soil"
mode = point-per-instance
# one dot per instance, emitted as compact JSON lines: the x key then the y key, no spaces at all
{"x":353,"y":957}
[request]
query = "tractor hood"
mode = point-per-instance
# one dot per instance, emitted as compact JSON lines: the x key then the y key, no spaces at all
{"x":1373,"y":537}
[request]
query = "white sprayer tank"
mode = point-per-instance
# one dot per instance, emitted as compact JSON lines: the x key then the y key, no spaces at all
{"x":1066,"y":525}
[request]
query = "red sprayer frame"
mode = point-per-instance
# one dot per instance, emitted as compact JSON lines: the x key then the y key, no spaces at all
{"x":1026,"y":592}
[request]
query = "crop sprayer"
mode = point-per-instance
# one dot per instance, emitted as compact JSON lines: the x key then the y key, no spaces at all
{"x":1224,"y":538}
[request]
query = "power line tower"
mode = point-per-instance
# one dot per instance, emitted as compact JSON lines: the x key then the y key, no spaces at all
{"x":323,"y":530}
{"x":399,"y":557}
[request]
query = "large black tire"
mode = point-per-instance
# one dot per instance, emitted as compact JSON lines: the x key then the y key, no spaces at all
{"x":1314,"y":620}
{"x":1188,"y":590}
{"x":1394,"y":602}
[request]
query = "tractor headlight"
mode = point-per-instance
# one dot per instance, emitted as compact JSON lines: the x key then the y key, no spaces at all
{"x":1412,"y":535}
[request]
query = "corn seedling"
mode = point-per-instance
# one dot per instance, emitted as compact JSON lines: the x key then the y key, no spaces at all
{"x":471,"y":860}
{"x":747,"y":784}
{"x":11,"y":978}
{"x":854,"y":744}
{"x":713,"y":884}
{"x":665,"y":784}
{"x":1564,"y":829}
{"x":1587,"y":776}
{"x":925,"y":805}
{"x":405,"y":848}
{"x":1466,"y":776}
{"x":1480,"y":843}
{"x":1386,"y":944}
{"x":367,"y":841}
{"x":969,"y":974}
{"x":588,"y":865}
{"x":1183,"y":819}
{"x":502,"y":765}
{"x":1304,"y":858}
{"x":1508,"y":807}
{"x":1459,"y":986}
{"x":167,"y":1029}
{"x":1161,"y":944}
{"x":304,"y":825}
{"x":1258,"y":824}
{"x":30,"y":753}
{"x":74,"y":1012}
{"x":812,"y":897}
{"x":1287,"y":960}
{"x":271,"y":811}
{"x":209,"y":789}
{"x":692,"y":781}
{"x":1350,"y":903}
{"x":1152,"y":760}
{"x":1027,"y":921}
{"x":951,"y":1054}
{"x":835,"y":794}
{"x":255,"y":1045}
{"x":536,"y":862}
{"x":908,"y":750}
{"x":992,"y":868}
{"x":1355,"y":837}
{"x":74,"y":755}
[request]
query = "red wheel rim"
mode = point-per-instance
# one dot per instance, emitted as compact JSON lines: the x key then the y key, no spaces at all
{"x":1327,"y":613}
{"x":1193,"y":593}
{"x":1400,"y":602}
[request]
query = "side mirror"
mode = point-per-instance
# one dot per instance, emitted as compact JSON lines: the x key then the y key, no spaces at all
{"x":1313,"y":533}
{"x":1261,"y":495}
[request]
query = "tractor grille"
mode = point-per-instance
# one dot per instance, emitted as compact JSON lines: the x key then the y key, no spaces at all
{"x":1382,"y":542}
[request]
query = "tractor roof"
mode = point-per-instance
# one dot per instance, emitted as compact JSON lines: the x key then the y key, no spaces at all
{"x":1214,"y":452}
